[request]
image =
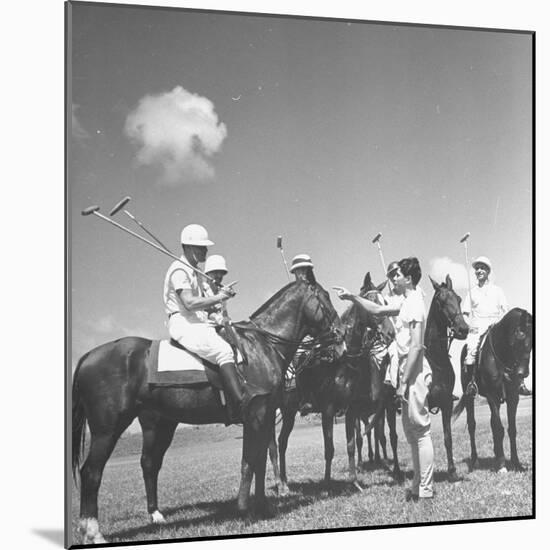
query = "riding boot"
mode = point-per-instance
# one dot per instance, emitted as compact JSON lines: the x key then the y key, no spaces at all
{"x":233,"y":392}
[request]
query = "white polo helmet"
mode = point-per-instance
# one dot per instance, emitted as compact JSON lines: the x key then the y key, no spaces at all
{"x":195,"y":235}
{"x":215,"y":263}
{"x":482,"y":260}
{"x":300,"y":260}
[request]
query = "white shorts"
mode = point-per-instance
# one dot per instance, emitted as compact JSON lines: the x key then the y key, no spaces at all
{"x":201,"y":339}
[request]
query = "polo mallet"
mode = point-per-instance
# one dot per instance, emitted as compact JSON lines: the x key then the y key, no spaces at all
{"x":376,"y":241}
{"x":119,"y":206}
{"x":95,"y":211}
{"x":280,"y":247}
{"x":464,"y":240}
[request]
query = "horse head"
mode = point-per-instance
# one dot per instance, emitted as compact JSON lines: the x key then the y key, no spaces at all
{"x":385,"y":329}
{"x":321,"y":319}
{"x":447,"y":302}
{"x":519,"y":336}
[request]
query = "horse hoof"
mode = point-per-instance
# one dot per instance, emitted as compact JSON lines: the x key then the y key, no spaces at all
{"x":157,"y":518}
{"x":502,"y":470}
{"x":283,"y":490}
{"x":265,"y":510}
{"x":518,"y":467}
{"x":89,"y":528}
{"x":453,"y":477}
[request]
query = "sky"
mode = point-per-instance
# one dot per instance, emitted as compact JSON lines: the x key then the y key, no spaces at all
{"x":323,"y":132}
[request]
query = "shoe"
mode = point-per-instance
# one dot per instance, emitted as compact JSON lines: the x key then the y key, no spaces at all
{"x":306,"y":408}
{"x":523,"y":390}
{"x":455,"y":398}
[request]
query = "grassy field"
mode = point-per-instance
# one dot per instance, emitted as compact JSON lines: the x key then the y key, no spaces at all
{"x":200,"y":476}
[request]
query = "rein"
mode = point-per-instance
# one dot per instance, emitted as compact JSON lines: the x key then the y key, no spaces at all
{"x":273,"y":339}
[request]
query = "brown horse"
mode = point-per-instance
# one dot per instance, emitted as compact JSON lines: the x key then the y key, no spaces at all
{"x":444,"y":316}
{"x":110,"y":389}
{"x":503,"y":361}
{"x":353,"y":383}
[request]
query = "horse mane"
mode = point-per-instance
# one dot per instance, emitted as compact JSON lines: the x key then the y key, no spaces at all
{"x":273,"y":298}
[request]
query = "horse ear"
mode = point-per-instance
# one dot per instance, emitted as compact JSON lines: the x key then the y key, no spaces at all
{"x":367,"y":282}
{"x":434,"y":284}
{"x":449,"y":282}
{"x":523,"y":320}
{"x":381,"y":286}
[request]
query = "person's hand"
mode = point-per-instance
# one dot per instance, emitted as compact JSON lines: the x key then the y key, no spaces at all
{"x":342,"y":293}
{"x":226,"y":293}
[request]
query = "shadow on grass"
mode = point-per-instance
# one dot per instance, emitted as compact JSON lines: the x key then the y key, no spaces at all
{"x":489,"y":464}
{"x":215,"y":510}
{"x":219,"y":511}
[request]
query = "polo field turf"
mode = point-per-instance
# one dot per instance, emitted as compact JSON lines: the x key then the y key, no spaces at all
{"x":200,"y":476}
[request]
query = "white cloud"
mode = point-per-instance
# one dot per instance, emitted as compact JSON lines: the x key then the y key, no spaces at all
{"x":77,"y":129}
{"x":441,"y":267}
{"x":177,"y":131}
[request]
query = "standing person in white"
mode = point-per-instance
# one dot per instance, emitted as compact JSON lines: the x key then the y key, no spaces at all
{"x":414,"y":370}
{"x":186,"y":304}
{"x":486,"y":307}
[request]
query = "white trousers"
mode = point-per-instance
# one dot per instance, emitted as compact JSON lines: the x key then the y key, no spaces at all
{"x":417,"y":425}
{"x":201,"y":339}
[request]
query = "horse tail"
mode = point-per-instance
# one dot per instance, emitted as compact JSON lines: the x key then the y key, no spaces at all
{"x":460,"y":406}
{"x":374,"y":419}
{"x":79,"y":423}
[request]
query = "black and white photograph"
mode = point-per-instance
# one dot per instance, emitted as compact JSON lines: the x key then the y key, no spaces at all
{"x":299,"y":274}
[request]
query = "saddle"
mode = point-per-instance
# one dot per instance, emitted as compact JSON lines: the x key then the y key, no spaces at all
{"x":165,"y":372}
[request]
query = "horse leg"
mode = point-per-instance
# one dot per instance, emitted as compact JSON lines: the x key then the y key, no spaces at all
{"x":498,"y":434}
{"x":391,"y":415}
{"x":353,"y":431}
{"x":358,"y":442}
{"x":158,"y":433}
{"x":101,"y":447}
{"x":266,"y":433}
{"x":471,"y":420}
{"x":446,"y":413}
{"x":328,"y":427}
{"x":511,"y":406}
{"x":380,"y":439}
{"x":273,"y":458}
{"x":256,"y":434}
{"x":368,"y":433}
{"x":289,"y":417}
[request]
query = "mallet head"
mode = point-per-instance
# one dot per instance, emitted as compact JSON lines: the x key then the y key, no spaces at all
{"x":279,"y":242}
{"x":119,"y":206}
{"x":465,"y":238}
{"x":377,"y":238}
{"x":90,"y":210}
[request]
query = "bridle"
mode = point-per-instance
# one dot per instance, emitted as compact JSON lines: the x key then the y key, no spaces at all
{"x":329,"y":337}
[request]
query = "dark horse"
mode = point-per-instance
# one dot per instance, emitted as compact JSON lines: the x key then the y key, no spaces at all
{"x":110,"y":389}
{"x":503,"y":361}
{"x":352,"y":383}
{"x":444,"y":315}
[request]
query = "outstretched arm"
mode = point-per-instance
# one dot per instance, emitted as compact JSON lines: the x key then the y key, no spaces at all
{"x":370,"y":307}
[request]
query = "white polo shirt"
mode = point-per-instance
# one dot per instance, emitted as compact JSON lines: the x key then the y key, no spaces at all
{"x":413,"y":309}
{"x":488,"y":304}
{"x":182,"y":277}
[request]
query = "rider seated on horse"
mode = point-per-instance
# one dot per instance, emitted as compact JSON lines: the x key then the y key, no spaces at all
{"x":302,"y":269}
{"x":187,"y":308}
{"x":483,"y":307}
{"x":216,"y":268}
